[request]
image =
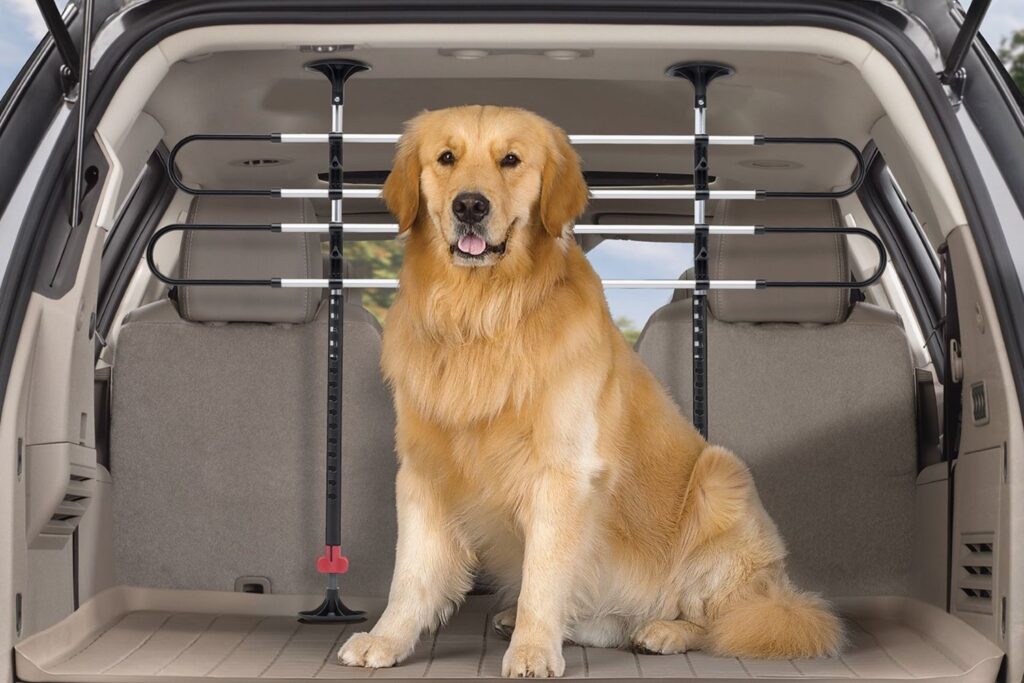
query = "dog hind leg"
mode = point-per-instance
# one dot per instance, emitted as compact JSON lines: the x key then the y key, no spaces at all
{"x":504,"y":622}
{"x":665,"y":637}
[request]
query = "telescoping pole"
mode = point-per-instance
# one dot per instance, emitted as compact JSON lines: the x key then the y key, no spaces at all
{"x":700,"y":74}
{"x":333,"y":563}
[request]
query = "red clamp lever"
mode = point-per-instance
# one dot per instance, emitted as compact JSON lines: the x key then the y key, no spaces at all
{"x":332,"y":562}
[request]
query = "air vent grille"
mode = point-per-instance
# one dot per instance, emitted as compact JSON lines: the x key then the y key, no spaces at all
{"x":974,"y":577}
{"x":979,"y":403}
{"x":69,"y":512}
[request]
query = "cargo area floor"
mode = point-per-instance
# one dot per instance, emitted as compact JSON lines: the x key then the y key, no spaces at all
{"x":141,"y":634}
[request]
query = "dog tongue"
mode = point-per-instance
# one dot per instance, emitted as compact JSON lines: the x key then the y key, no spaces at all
{"x":471,"y":244}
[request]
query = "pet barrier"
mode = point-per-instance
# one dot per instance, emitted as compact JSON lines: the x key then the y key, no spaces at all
{"x":338,"y":71}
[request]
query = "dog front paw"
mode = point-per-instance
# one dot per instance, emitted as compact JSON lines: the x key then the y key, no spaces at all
{"x":371,"y":651}
{"x":523,"y":660}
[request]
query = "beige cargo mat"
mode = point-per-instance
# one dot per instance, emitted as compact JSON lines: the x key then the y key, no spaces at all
{"x":139,"y":634}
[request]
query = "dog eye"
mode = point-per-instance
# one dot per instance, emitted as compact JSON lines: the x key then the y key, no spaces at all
{"x":510,"y":160}
{"x":446,"y":158}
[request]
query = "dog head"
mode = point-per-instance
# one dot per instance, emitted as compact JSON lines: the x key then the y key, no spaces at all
{"x":485,"y":181}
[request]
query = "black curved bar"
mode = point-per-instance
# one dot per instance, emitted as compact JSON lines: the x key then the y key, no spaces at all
{"x":858,"y":157}
{"x":276,"y":137}
{"x":176,"y":179}
{"x":177,"y":282}
{"x":856,"y":284}
{"x":274,"y":282}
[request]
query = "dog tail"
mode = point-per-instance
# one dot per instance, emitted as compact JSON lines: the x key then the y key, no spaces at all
{"x":783,"y":624}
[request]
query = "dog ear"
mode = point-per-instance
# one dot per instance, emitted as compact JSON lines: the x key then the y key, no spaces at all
{"x":401,"y":192}
{"x":563,"y":191}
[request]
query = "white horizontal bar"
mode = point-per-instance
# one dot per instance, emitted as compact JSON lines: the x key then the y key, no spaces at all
{"x":670,"y":194}
{"x":372,"y":138}
{"x":391,"y":138}
{"x":662,"y":229}
{"x":304,"y":137}
{"x":347,"y":283}
{"x":384,"y":283}
{"x":373,"y":193}
{"x":356,"y":228}
{"x":659,"y":139}
{"x":678,"y":284}
{"x":584,"y":229}
{"x":324,"y":193}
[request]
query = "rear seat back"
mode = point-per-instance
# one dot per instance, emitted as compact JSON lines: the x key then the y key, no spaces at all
{"x":815,"y":394}
{"x":218,"y":422}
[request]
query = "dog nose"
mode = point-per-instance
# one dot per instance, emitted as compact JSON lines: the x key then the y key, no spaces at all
{"x":470,"y":207}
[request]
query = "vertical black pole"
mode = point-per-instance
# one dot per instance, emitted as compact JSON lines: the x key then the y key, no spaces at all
{"x":700,"y":75}
{"x":333,"y":563}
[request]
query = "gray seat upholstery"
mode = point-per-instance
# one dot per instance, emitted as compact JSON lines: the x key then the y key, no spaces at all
{"x":815,"y":394}
{"x":218,"y":418}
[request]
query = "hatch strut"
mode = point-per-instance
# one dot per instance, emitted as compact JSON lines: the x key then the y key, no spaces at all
{"x":83,"y":101}
{"x":74,"y":71}
{"x":69,"y":70}
{"x":954,"y":74}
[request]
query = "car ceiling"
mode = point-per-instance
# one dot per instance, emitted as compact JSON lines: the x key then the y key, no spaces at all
{"x":602,"y":91}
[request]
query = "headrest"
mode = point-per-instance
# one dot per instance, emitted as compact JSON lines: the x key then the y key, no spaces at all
{"x":780,"y":257}
{"x":245,"y":255}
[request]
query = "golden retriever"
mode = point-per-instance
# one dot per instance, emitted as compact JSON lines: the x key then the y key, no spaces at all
{"x":535,"y":445}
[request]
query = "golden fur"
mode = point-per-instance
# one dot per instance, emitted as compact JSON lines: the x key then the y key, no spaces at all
{"x":536,"y":446}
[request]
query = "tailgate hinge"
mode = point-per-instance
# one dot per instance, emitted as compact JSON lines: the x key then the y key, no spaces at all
{"x":954,"y":75}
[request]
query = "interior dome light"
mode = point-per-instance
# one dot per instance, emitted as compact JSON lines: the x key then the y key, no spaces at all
{"x":469,"y":54}
{"x":563,"y":55}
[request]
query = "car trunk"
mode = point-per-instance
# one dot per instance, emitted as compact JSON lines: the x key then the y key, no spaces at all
{"x":188,"y":547}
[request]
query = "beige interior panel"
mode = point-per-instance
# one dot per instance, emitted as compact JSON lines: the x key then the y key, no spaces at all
{"x":14,"y":571}
{"x":133,"y":634}
{"x":49,"y":595}
{"x":48,"y":425}
{"x":134,"y":152}
{"x":61,"y":399}
{"x":931,"y":528}
{"x":988,"y":502}
{"x":95,"y":540}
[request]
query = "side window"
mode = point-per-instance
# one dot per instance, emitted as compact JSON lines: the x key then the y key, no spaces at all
{"x":140,"y":211}
{"x":913,"y":253}
{"x":627,"y":259}
{"x":20,"y":33}
{"x":1003,"y":29}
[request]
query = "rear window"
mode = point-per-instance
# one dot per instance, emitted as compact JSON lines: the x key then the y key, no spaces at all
{"x":612,"y":259}
{"x":632,"y":260}
{"x":374,"y":259}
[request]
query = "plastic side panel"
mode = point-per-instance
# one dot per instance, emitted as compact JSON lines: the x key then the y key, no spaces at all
{"x":989,"y":479}
{"x":95,"y":541}
{"x":61,"y":401}
{"x":976,"y":540}
{"x":931,"y":503}
{"x":13,"y":551}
